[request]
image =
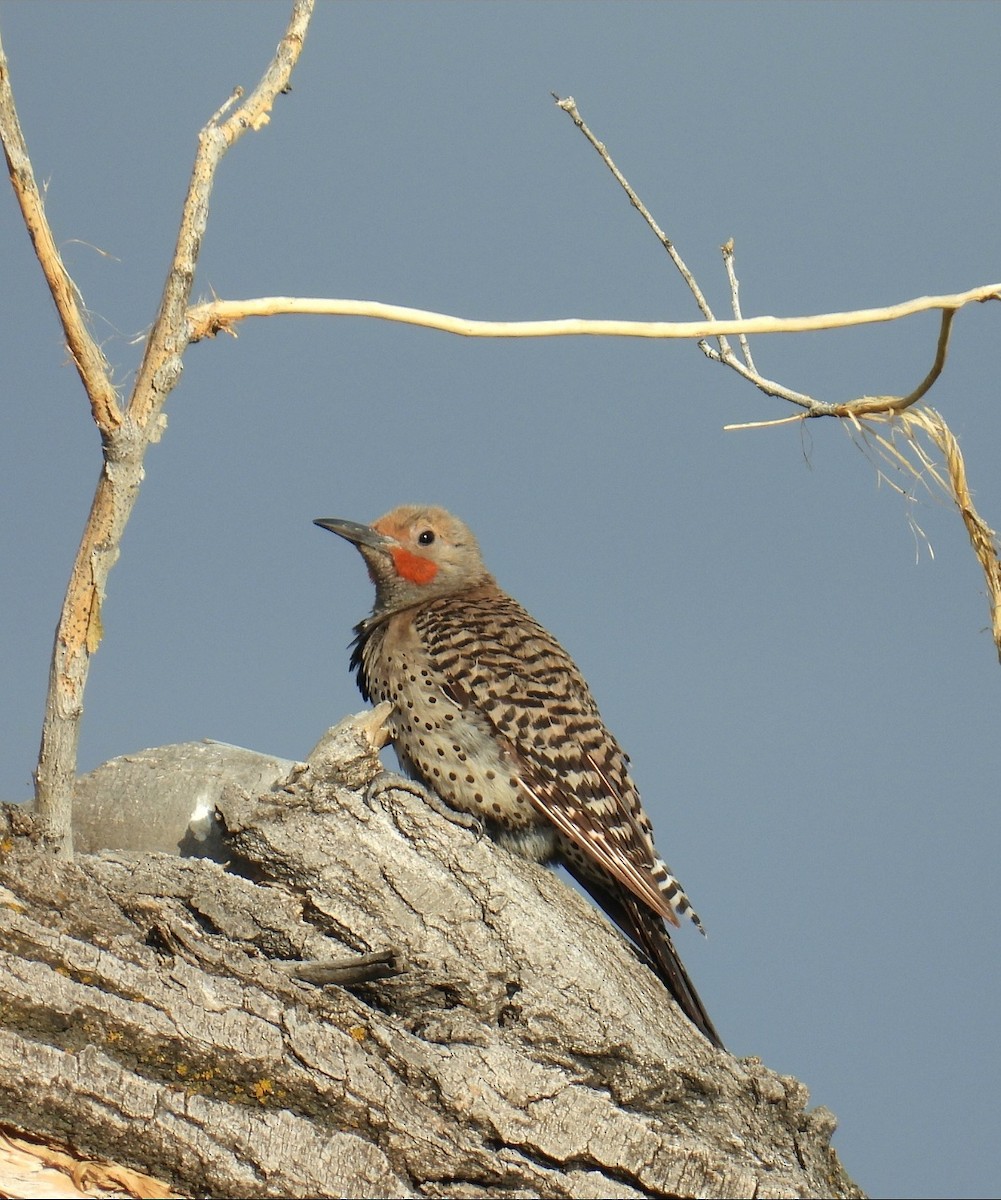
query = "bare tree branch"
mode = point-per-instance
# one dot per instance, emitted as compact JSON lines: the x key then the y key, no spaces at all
{"x":569,"y":106}
{"x":864,"y":412}
{"x":125,"y":436}
{"x":91,"y":365}
{"x":220,"y":316}
{"x":727,"y":251}
{"x":169,"y":337}
{"x":746,"y":369}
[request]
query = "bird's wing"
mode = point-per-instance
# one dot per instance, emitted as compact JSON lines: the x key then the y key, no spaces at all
{"x":602,"y":830}
{"x":518,"y":678}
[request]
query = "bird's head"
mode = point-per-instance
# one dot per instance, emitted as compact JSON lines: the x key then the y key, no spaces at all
{"x":414,"y":553}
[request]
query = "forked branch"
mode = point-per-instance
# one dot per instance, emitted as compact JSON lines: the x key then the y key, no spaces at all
{"x":126,"y":432}
{"x":864,"y":413}
{"x":724,"y":354}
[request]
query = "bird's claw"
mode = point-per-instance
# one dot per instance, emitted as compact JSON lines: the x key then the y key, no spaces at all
{"x":388,"y":781}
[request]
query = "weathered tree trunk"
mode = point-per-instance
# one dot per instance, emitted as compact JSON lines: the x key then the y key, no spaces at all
{"x":150,"y":1016}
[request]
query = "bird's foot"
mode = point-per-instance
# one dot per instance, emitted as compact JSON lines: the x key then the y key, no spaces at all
{"x":389,"y":781}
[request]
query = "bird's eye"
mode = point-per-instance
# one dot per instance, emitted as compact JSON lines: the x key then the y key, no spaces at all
{"x":425,"y":538}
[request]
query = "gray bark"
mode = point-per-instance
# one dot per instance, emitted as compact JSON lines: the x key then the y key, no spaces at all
{"x":152,"y":1015}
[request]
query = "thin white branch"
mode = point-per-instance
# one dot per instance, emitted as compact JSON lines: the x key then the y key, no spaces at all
{"x":206,"y":320}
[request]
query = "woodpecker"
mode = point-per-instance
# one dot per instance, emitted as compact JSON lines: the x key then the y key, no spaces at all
{"x":493,"y":716}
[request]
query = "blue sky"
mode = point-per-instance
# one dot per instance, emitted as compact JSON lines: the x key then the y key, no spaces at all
{"x":808,"y":696}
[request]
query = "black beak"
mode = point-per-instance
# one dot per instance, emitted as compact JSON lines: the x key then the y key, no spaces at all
{"x":361,"y":535}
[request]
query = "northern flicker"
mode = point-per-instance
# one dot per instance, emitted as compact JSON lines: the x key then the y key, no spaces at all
{"x":492,"y":714}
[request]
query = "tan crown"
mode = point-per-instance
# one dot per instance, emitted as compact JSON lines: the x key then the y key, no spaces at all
{"x":419,"y":552}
